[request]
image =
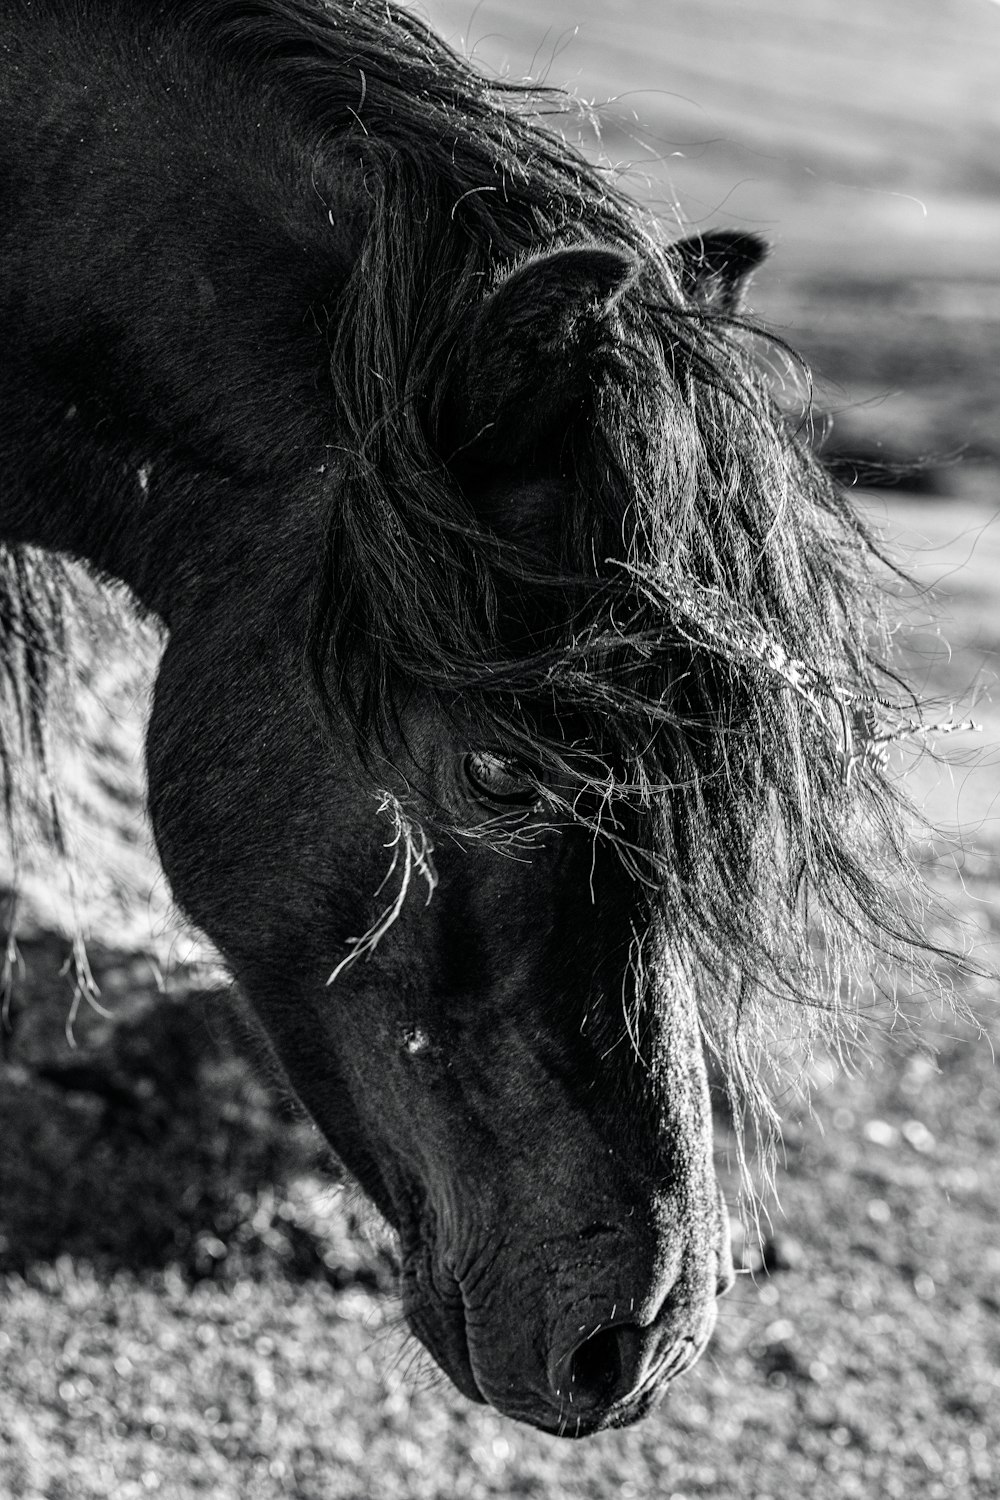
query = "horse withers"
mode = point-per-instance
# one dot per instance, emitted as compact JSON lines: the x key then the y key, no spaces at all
{"x":510,"y":738}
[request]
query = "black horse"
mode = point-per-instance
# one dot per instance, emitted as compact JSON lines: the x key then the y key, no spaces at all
{"x":476,"y":534}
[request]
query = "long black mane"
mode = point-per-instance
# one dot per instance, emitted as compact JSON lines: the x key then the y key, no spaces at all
{"x":716,"y":656}
{"x":703,"y":681}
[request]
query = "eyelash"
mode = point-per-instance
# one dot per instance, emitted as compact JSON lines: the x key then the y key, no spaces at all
{"x":501,"y":779}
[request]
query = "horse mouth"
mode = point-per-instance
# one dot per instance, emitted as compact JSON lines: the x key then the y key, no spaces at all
{"x":439,"y":1323}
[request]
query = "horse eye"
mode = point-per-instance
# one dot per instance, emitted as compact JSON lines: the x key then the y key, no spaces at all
{"x":500,"y":778}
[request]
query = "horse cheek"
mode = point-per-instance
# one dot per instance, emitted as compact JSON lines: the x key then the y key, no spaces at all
{"x":239,"y":805}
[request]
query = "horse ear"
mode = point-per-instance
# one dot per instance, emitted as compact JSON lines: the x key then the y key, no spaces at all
{"x":522,"y":367}
{"x":716,"y":267}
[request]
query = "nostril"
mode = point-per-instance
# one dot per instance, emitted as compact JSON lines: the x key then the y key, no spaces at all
{"x":601,"y":1368}
{"x":595,"y":1368}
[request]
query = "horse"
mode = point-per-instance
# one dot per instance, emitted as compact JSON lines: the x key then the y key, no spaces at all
{"x":518,"y":736}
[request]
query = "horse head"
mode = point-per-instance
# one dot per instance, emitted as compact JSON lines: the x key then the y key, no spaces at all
{"x":476,"y":993}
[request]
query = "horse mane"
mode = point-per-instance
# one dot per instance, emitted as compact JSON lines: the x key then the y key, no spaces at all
{"x":714,"y":650}
{"x":34,"y":593}
{"x":35,"y":597}
{"x":704,"y":681}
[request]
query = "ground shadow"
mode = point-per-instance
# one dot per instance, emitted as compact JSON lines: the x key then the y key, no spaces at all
{"x":153,"y":1141}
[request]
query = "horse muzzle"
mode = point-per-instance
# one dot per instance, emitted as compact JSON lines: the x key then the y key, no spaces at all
{"x":572,"y":1345}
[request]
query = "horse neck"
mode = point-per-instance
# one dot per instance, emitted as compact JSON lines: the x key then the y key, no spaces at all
{"x":162,"y":383}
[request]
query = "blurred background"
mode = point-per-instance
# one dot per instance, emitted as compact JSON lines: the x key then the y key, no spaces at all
{"x":860,"y":139}
{"x":193,"y":1304}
